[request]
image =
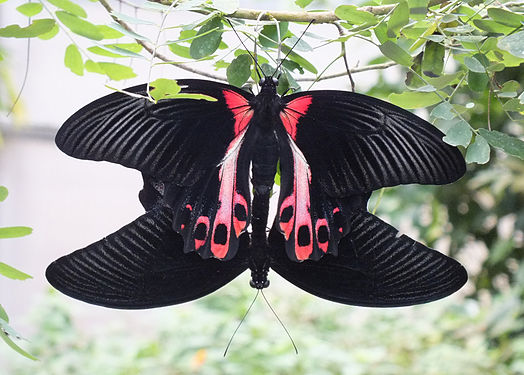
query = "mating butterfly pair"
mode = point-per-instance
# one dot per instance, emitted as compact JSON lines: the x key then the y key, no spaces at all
{"x":333,"y":149}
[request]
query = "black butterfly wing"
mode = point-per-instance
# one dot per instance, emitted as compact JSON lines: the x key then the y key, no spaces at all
{"x":176,"y":139}
{"x":142,"y":265}
{"x":356,"y":144}
{"x":191,"y":149}
{"x":375,"y":267}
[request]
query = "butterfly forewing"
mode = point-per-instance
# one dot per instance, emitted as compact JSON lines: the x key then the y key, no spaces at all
{"x":193,"y":147}
{"x":356,"y":144}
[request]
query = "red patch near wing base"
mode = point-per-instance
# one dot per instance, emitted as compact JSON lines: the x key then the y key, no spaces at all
{"x":240,"y":108}
{"x":293,"y":111}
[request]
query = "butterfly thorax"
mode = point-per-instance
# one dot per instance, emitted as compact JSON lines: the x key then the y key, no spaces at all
{"x":266,"y":105}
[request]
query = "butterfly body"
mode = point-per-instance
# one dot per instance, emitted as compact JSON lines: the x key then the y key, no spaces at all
{"x":202,"y":227}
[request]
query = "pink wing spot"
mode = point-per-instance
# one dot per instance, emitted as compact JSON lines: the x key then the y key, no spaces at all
{"x":287,"y":226}
{"x":302,"y":199}
{"x":293,"y":111}
{"x":200,"y":233}
{"x":335,"y":210}
{"x":239,"y":224}
{"x":241,"y":109}
{"x":323,"y":245}
{"x":188,"y":206}
{"x":182,"y":227}
{"x":226,"y":195}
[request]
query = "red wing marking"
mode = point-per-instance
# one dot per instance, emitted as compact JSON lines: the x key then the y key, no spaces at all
{"x":299,"y":201}
{"x":293,"y":111}
{"x":322,"y":239}
{"x":201,"y":231}
{"x":240,"y":108}
{"x":228,"y":199}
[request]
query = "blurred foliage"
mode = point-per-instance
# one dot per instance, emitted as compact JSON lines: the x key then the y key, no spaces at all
{"x":445,"y":337}
{"x":7,"y":333}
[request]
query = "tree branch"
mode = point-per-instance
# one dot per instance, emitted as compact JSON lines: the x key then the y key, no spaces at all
{"x":301,"y":16}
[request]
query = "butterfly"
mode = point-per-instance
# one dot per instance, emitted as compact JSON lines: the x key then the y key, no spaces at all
{"x":202,"y":228}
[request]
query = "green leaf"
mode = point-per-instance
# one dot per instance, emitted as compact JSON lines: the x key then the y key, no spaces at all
{"x":445,"y":80}
{"x":15,"y":347}
{"x":114,"y":71}
{"x":164,"y":89}
{"x":117,"y":72}
{"x":418,"y":9}
{"x":444,"y":111}
{"x":293,"y":56}
{"x":109,"y":32}
{"x":477,"y":81}
{"x":179,"y":50}
{"x":79,"y":26}
{"x":12,"y":273}
{"x":30,"y":9}
{"x":303,"y":3}
{"x":226,"y":6}
{"x":70,"y":7}
{"x":36,"y":28}
{"x":93,"y":67}
{"x":269,"y":35}
{"x":414,"y":99}
{"x":195,"y":97}
{"x":458,"y":134}
{"x":513,"y":43}
{"x":381,"y":32}
{"x":131,"y":20}
{"x":398,"y":19}
{"x":505,"y":17}
{"x":355,"y":16}
{"x":208,"y":43}
{"x":118,"y":50}
{"x":478,"y":151}
{"x":50,"y":34}
{"x":474,"y":65}
{"x":433,"y":59}
{"x":239,"y":70}
{"x":513,"y":105}
{"x":3,"y":314}
{"x":396,"y":53}
{"x":123,"y":31}
{"x":3,"y":193}
{"x":13,"y":232}
{"x":73,"y":60}
{"x":492,"y":26}
{"x":510,"y":145}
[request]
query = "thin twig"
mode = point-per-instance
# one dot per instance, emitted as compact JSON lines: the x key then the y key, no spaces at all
{"x":344,"y":55}
{"x":352,"y":70}
{"x":150,"y":48}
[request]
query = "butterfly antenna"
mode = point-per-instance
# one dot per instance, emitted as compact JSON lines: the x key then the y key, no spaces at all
{"x":241,"y":321}
{"x":291,"y":50}
{"x":280,"y":321}
{"x":258,"y":69}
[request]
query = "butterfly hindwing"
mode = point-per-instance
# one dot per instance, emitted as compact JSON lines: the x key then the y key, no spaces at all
{"x":356,"y":144}
{"x":375,"y":267}
{"x":142,"y":265}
